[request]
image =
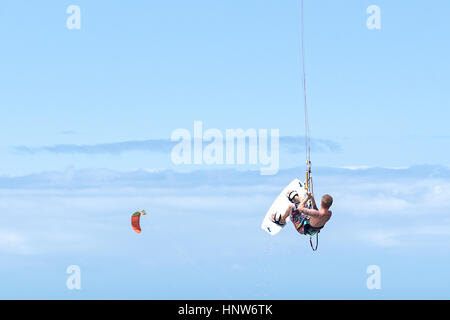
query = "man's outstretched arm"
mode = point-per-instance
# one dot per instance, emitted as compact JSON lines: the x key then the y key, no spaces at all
{"x":304,"y":201}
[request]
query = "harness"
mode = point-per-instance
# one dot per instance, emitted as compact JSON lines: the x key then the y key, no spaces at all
{"x":311,"y":231}
{"x":305,"y":228}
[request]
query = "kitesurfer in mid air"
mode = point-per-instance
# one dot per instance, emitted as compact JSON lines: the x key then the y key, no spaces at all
{"x":305,"y":220}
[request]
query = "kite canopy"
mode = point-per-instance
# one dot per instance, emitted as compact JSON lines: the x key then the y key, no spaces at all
{"x":135,"y":220}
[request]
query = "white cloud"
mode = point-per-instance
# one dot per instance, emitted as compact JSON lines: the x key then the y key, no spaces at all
{"x":405,"y":236}
{"x":14,"y":243}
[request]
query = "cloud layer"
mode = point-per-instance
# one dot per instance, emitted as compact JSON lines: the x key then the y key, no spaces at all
{"x":381,"y":204}
{"x":289,"y":144}
{"x":203,"y":229}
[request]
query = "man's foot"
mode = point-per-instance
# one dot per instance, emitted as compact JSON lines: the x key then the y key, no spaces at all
{"x":278,"y":219}
{"x":294,"y":197}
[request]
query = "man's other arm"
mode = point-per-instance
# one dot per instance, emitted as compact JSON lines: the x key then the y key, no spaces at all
{"x":310,"y":212}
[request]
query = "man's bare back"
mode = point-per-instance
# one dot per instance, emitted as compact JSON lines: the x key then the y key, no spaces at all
{"x":318,"y":218}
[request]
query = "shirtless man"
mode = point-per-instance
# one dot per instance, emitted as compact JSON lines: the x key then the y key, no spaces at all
{"x":306,"y":221}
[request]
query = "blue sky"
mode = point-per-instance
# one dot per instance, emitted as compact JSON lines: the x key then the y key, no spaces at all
{"x":87,"y":117}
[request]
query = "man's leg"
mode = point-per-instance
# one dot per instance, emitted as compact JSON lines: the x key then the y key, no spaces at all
{"x":285,"y":215}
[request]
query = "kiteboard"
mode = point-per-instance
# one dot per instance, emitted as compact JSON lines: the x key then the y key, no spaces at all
{"x":280,"y":205}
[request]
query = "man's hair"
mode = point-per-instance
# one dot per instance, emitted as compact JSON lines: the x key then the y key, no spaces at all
{"x":327,"y":201}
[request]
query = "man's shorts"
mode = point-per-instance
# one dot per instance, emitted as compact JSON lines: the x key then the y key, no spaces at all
{"x":299,"y":220}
